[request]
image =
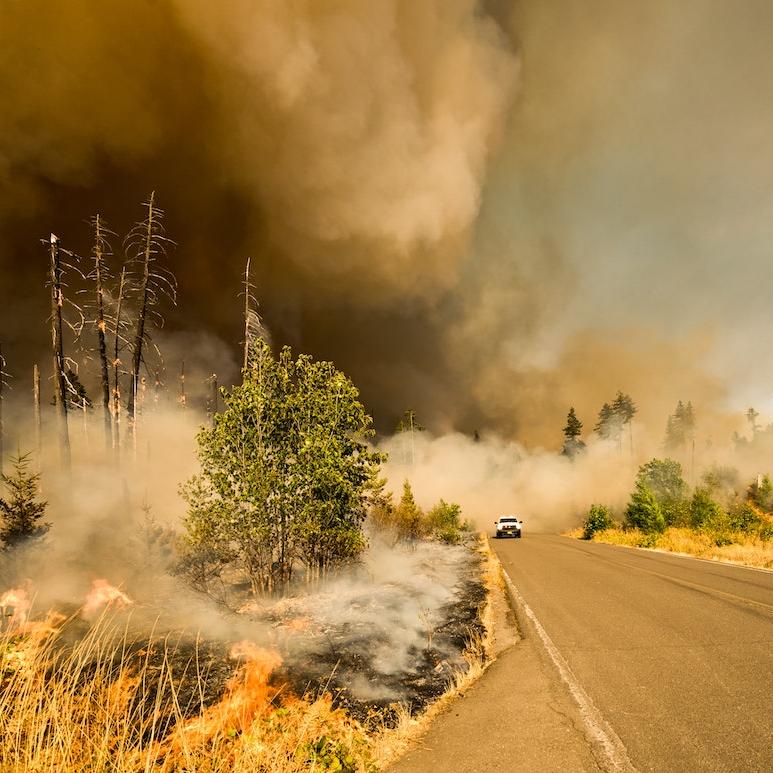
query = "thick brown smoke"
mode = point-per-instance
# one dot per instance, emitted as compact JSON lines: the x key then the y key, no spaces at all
{"x":486,"y":211}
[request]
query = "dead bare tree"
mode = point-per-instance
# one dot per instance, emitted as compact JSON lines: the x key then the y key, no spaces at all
{"x":183,"y":398}
{"x":253,"y":324}
{"x":57,"y":343}
{"x":157,"y":386}
{"x":213,"y":398}
{"x":100,"y":275}
{"x":3,"y":387}
{"x":146,"y":246}
{"x":118,"y":341}
{"x":36,"y":409}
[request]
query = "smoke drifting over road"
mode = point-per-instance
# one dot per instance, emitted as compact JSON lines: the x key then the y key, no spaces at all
{"x":482,"y":210}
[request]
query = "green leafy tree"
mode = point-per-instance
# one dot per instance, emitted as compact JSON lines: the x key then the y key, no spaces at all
{"x":663,"y":477}
{"x":573,"y":443}
{"x":21,"y":511}
{"x":742,"y":516}
{"x":599,"y":518}
{"x":643,"y":510}
{"x":286,"y":475}
{"x":704,"y":511}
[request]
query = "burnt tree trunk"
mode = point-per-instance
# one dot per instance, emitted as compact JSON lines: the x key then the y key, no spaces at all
{"x":183,"y":398}
{"x":57,"y":344}
{"x":117,"y":366}
{"x":105,"y":373}
{"x":139,"y":335}
{"x":36,"y":408}
{"x":246,"y":317}
{"x":212,"y":400}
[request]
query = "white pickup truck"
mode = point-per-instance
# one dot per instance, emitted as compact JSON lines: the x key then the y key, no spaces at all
{"x":508,"y":526}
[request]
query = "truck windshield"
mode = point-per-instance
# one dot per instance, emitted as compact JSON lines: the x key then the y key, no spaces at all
{"x":508,"y":520}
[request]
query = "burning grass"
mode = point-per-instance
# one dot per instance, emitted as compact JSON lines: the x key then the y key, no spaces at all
{"x":109,"y":703}
{"x":86,"y":693}
{"x":735,"y":547}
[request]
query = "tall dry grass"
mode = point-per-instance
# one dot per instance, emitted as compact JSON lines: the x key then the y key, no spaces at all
{"x":101,"y":704}
{"x":79,"y":696}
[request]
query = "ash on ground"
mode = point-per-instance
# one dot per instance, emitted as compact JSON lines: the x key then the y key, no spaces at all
{"x":393,"y":630}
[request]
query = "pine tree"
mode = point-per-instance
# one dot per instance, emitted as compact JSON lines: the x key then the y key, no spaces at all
{"x":625,"y":409}
{"x":572,"y":431}
{"x":607,"y":426}
{"x":21,"y":511}
{"x":751,"y":417}
{"x":408,"y":516}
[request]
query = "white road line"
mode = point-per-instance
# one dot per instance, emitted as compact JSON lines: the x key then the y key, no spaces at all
{"x":599,"y":731}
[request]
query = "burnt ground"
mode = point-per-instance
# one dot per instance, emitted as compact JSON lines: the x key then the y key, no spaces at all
{"x":393,"y":631}
{"x":346,"y":658}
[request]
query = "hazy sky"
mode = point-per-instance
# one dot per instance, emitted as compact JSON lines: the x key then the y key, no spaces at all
{"x":486,"y":212}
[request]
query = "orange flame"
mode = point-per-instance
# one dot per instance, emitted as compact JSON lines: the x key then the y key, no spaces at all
{"x":103,"y":593}
{"x":16,"y":604}
{"x":247,"y":697}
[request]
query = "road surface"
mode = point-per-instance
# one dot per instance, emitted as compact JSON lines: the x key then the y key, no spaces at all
{"x":667,"y":663}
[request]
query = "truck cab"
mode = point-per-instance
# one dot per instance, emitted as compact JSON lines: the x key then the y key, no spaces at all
{"x":508,"y":526}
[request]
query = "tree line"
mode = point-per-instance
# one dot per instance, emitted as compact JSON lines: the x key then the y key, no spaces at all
{"x":720,"y":505}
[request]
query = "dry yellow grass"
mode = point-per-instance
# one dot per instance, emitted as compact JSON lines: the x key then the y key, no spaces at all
{"x":743,"y":548}
{"x":97,"y":705}
{"x":90,"y":707}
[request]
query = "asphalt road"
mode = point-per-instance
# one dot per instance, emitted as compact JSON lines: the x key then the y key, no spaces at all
{"x":676,"y":655}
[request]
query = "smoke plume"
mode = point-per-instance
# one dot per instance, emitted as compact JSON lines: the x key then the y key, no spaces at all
{"x":480,"y":210}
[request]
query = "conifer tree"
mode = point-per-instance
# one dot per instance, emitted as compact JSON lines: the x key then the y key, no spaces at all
{"x":21,"y":510}
{"x":573,"y":444}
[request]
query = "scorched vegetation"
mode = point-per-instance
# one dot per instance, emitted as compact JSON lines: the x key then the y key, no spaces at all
{"x":288,"y":619}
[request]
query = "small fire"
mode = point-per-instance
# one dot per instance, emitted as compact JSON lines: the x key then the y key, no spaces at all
{"x":247,"y":697}
{"x":16,"y":604}
{"x":102,"y":593}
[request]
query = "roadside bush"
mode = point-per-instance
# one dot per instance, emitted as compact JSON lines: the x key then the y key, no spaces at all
{"x":407,"y":522}
{"x":722,"y":481}
{"x":705,"y":513}
{"x":445,"y":522}
{"x":643,"y":510}
{"x":663,"y":478}
{"x":744,"y":517}
{"x":599,"y":518}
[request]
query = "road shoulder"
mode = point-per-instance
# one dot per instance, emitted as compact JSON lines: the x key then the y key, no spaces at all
{"x":517,"y":717}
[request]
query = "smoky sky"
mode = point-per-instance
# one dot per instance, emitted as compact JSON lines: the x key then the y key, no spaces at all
{"x":485,"y":212}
